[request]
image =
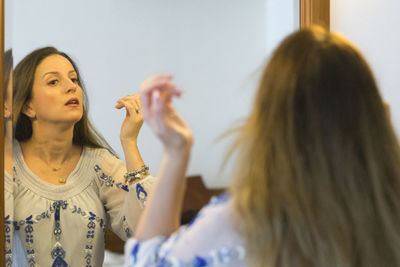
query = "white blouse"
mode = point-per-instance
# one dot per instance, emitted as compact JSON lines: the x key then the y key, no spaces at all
{"x":211,"y":240}
{"x":64,"y":225}
{"x":8,"y":216}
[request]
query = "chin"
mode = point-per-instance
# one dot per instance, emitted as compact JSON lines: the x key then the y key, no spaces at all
{"x":77,"y":119}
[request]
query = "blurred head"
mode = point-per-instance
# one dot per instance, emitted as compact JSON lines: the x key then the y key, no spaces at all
{"x":319,"y":169}
{"x":48,"y":87}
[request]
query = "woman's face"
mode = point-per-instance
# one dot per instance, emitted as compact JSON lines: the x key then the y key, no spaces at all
{"x":56,"y":95}
{"x":8,"y":100}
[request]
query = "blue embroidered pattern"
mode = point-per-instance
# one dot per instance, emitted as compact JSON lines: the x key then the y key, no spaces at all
{"x":58,"y":253}
{"x":90,"y":237}
{"x":8,"y":223}
{"x":141,"y":194}
{"x":199,"y":262}
{"x":108,"y":180}
{"x":161,"y":254}
{"x":30,"y":252}
{"x":215,"y":257}
{"x":125,"y":226}
{"x":59,"y":262}
{"x":135,"y":251}
{"x":109,"y":151}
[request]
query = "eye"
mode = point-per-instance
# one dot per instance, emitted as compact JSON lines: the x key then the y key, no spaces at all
{"x":52,"y":82}
{"x":75,"y":80}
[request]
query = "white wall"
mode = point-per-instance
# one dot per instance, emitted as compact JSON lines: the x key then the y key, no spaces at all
{"x":8,"y":18}
{"x":215,"y":48}
{"x":374,"y":27}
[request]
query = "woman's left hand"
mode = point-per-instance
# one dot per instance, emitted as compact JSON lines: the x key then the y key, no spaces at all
{"x":134,"y":117}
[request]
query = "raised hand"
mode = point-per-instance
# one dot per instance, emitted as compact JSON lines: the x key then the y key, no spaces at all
{"x":134,"y":117}
{"x":156,"y":98}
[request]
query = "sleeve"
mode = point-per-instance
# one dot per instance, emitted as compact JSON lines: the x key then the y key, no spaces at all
{"x":8,"y":216}
{"x":123,"y":203}
{"x":209,"y":240}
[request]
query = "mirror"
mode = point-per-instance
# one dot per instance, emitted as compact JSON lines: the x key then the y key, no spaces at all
{"x":7,"y":124}
{"x":215,"y":49}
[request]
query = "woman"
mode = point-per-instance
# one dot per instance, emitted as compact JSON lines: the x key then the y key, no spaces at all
{"x":317,"y":179}
{"x":8,"y":181}
{"x":70,"y":183}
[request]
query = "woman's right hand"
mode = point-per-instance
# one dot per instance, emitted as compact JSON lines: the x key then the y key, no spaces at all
{"x":156,"y":98}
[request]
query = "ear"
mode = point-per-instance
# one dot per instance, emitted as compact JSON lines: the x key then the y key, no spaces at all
{"x":28,"y":110}
{"x":7,"y":111}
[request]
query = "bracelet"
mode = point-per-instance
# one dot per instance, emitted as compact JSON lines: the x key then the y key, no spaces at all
{"x":136,"y":175}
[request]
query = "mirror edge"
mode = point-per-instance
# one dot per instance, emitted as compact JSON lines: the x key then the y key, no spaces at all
{"x":315,"y":12}
{"x":2,"y":226}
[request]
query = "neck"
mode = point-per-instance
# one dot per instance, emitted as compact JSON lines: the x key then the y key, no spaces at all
{"x":8,"y":147}
{"x":51,"y":143}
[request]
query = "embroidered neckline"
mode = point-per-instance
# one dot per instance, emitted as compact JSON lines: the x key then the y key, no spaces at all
{"x":75,"y":184}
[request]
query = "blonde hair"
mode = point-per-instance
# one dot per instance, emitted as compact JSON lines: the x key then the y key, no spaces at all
{"x":318,"y":178}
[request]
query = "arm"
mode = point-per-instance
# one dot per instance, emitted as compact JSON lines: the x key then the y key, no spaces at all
{"x":161,"y":215}
{"x":123,"y":203}
{"x":130,"y":130}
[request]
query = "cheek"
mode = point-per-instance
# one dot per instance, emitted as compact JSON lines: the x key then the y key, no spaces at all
{"x":44,"y":100}
{"x":80,"y":93}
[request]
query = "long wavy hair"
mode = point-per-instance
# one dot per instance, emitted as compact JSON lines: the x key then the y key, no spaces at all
{"x":8,"y":69}
{"x":318,"y":177}
{"x":84,"y":132}
{"x":8,"y":66}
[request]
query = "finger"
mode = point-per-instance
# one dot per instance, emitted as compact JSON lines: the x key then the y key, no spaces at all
{"x":166,"y":89}
{"x":158,"y":78}
{"x":131,"y":97}
{"x":154,"y":80}
{"x":136,"y":102}
{"x":161,"y":85}
{"x":129,"y":107}
{"x":158,"y":110}
{"x":145,"y":100}
{"x":119,"y":105}
{"x":133,"y":100}
{"x":127,"y":98}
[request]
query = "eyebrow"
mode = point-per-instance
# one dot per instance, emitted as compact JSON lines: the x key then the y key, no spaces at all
{"x":56,"y":72}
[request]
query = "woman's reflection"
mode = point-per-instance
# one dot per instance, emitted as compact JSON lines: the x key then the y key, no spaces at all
{"x":8,"y":181}
{"x":70,"y":184}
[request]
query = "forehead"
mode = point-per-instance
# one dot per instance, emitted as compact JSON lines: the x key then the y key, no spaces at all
{"x":54,"y":63}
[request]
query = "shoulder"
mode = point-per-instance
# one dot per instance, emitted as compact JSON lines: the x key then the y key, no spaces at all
{"x":99,"y":152}
{"x":211,"y":238}
{"x":213,"y":228}
{"x":101,"y":156}
{"x":218,"y":211}
{"x":107,"y":166}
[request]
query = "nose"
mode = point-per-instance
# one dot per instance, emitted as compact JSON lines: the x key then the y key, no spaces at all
{"x":70,"y":86}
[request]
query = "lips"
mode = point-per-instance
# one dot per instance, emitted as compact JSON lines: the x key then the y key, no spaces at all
{"x":72,"y":102}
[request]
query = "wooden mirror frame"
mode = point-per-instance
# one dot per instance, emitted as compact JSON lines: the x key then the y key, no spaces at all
{"x":311,"y":12}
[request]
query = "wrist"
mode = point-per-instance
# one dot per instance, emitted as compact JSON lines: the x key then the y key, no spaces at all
{"x":178,"y":152}
{"x":128,"y":141}
{"x":182,"y":147}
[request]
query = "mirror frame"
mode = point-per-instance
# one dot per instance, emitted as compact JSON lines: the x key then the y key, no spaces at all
{"x":311,"y":12}
{"x":2,"y":226}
